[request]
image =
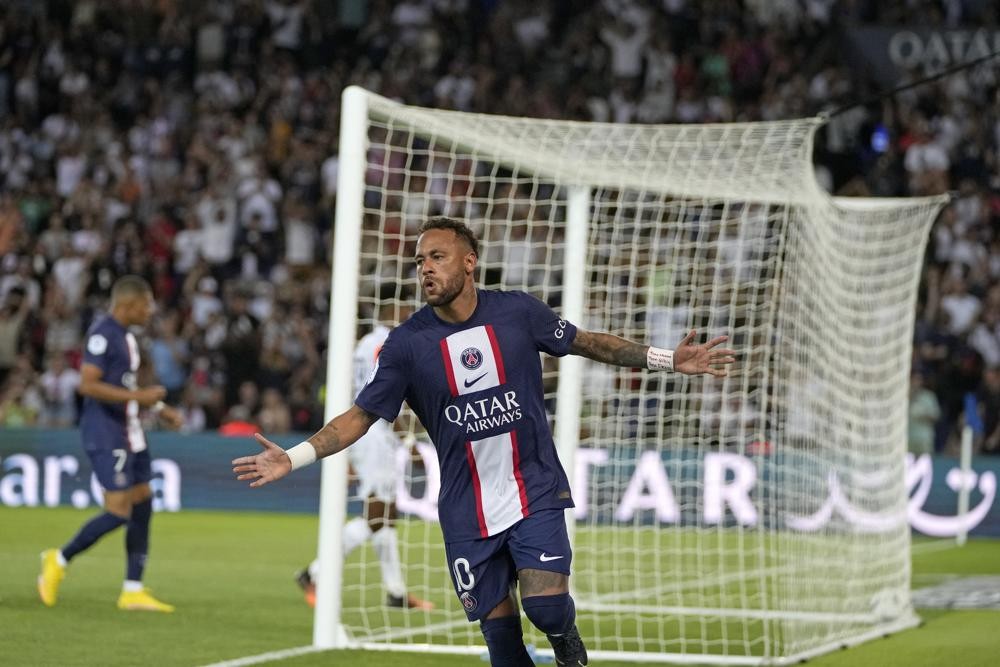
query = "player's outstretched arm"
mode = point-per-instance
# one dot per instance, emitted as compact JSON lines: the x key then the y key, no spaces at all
{"x":274,"y":462}
{"x":689,"y":358}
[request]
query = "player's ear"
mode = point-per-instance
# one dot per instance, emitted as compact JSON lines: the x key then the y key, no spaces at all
{"x":470,"y":262}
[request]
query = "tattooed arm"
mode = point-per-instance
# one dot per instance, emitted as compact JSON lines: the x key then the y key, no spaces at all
{"x":688,"y":358}
{"x":609,"y":349}
{"x":274,"y":462}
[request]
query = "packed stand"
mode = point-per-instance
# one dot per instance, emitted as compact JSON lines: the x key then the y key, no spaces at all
{"x":195,"y":143}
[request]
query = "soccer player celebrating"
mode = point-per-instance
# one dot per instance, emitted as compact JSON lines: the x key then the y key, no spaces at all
{"x":113,"y":440}
{"x":372,"y":458}
{"x":467,"y":364}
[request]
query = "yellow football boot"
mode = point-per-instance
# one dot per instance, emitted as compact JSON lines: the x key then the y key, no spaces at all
{"x":142,"y":601}
{"x":52,"y":575}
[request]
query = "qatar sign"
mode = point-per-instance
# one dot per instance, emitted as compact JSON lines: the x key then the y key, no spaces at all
{"x":729,"y":486}
{"x":611,"y":485}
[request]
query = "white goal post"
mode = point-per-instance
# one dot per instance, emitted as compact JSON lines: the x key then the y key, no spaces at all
{"x":759,"y":519}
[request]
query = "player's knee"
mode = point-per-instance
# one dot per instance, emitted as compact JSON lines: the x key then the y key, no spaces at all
{"x":143,"y":510}
{"x":505,"y":641}
{"x":122,"y":511}
{"x":552,"y":614}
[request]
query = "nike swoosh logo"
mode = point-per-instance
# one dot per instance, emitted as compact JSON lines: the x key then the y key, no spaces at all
{"x":469,"y":383}
{"x":546,"y":558}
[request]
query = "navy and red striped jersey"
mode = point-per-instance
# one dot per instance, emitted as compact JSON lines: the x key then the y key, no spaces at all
{"x":477,"y":389}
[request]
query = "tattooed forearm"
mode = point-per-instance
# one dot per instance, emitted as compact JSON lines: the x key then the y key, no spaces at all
{"x":342,"y":431}
{"x":609,"y":349}
{"x":326,"y":441}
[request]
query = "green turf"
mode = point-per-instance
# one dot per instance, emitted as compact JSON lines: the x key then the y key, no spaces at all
{"x":230,"y":576}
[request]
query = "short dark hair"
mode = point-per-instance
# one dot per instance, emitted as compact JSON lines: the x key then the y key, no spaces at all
{"x":130,"y":286}
{"x":461,"y":230}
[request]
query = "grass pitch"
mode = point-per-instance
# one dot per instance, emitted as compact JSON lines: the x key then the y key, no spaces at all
{"x":230,"y":575}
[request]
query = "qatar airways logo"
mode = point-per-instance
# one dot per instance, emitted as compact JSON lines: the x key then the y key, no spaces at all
{"x":486,"y":413}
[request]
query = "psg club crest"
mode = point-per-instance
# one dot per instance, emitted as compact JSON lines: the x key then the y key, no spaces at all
{"x":468,"y":600}
{"x":472,"y":358}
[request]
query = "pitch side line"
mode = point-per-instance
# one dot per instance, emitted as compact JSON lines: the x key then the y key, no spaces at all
{"x":267,"y":657}
{"x":931,"y":547}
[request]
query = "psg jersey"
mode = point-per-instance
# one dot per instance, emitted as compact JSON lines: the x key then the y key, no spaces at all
{"x":477,"y":388}
{"x":113,"y":349}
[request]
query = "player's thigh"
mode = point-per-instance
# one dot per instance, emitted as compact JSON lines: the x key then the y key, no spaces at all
{"x":539,"y":545}
{"x":119,"y":472}
{"x":141,"y":465}
{"x":118,"y":503}
{"x":482,"y":572}
{"x":112,"y":467}
{"x":374,"y":460}
{"x":140,"y":493}
{"x":379,"y":512}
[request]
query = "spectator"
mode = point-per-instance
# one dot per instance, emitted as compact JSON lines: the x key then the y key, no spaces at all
{"x":20,"y":403}
{"x":274,"y":415}
{"x":222,"y":122}
{"x":923,"y":414}
{"x":989,"y":401}
{"x":58,"y":387}
{"x":13,"y":314}
{"x":170,"y":355}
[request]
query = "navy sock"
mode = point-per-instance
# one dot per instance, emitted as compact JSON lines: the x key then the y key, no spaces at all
{"x":137,"y":539}
{"x":552,"y":614}
{"x":505,"y":642}
{"x":92,"y":531}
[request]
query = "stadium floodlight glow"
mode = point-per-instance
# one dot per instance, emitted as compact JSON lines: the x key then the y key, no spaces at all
{"x":647,"y":232}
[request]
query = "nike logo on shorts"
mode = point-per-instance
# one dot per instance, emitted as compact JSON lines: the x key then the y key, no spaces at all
{"x":545,"y":558}
{"x":469,"y":383}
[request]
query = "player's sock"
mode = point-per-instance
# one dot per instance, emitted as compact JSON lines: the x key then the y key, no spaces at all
{"x":137,"y":539}
{"x":387,"y":548}
{"x":505,"y":642}
{"x":93,"y":530}
{"x":356,"y":531}
{"x":552,"y":614}
{"x":555,"y":615}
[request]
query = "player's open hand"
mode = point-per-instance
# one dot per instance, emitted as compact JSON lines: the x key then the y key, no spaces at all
{"x":692,"y":359}
{"x":270,"y":465}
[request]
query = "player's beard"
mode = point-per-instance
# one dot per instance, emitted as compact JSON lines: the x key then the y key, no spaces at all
{"x":447,"y":291}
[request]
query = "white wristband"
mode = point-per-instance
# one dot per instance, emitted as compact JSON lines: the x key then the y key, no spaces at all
{"x":158,"y":407}
{"x":301,"y":454}
{"x":658,"y":359}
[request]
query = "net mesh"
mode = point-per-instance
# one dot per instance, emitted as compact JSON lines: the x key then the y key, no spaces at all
{"x":752,"y":518}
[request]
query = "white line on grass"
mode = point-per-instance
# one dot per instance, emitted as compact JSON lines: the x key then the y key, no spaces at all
{"x":930,"y":547}
{"x":266,"y":657}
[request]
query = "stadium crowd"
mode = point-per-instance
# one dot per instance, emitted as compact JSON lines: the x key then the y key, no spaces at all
{"x":195,"y":143}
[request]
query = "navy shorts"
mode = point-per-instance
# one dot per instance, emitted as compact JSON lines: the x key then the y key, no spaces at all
{"x":119,"y":469}
{"x":483,"y":570}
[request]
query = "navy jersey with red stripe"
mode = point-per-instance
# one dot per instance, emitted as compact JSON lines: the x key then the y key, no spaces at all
{"x":114,"y":349}
{"x":477,"y":389}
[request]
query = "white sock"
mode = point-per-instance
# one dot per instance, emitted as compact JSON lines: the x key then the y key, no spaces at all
{"x":61,"y":559}
{"x":387,"y":547}
{"x":132,"y":586}
{"x":356,"y":531}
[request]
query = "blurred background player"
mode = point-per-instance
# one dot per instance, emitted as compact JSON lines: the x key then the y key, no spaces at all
{"x":116,"y":445}
{"x":373,"y":459}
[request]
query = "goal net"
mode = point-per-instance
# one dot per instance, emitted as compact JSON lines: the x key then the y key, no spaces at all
{"x":756,"y":519}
